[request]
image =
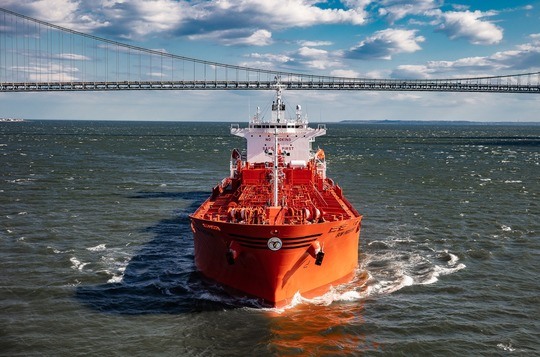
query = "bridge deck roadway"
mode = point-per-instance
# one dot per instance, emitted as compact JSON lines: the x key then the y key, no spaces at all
{"x":427,"y":86}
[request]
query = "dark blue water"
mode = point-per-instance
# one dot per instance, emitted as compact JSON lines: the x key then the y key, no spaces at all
{"x":97,"y":257}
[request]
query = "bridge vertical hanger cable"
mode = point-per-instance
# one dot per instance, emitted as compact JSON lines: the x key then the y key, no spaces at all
{"x":16,"y":52}
{"x":2,"y":51}
{"x":117,"y":62}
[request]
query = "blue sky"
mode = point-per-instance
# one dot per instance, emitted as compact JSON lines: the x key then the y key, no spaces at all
{"x":353,"y":38}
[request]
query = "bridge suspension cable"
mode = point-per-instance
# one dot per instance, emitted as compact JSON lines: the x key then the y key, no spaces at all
{"x":39,"y":56}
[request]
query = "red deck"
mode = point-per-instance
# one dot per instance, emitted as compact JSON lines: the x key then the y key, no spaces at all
{"x":305,"y":198}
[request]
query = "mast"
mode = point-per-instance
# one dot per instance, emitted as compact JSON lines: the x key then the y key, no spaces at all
{"x":275,"y":187}
{"x":275,"y":171}
{"x":278,"y":99}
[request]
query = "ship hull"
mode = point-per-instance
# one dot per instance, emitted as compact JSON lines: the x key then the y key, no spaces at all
{"x":248,"y":259}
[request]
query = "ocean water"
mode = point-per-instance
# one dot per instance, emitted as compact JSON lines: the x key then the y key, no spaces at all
{"x":96,"y":252}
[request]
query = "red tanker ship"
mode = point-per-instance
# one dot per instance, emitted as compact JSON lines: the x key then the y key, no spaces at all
{"x":277,"y":225}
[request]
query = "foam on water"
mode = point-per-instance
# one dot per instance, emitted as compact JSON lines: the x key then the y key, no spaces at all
{"x":97,"y":248}
{"x":114,"y":263}
{"x":116,"y":277}
{"x":453,"y":258}
{"x":383,"y":287}
{"x":100,"y":260}
{"x":506,"y":347}
{"x":76,"y":264}
{"x":58,"y":251}
{"x":392,"y":266}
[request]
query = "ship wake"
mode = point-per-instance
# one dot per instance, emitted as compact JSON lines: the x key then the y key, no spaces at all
{"x":395,"y":264}
{"x":385,"y":268}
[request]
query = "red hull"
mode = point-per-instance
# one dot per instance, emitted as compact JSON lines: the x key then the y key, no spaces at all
{"x":276,"y":276}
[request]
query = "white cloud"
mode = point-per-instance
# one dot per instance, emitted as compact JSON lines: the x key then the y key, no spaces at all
{"x":357,"y":4}
{"x":237,"y":37}
{"x":260,"y":64}
{"x":304,"y":57}
{"x":312,"y":52}
{"x":525,"y":57}
{"x":268,"y":61}
{"x":383,"y":44}
{"x":271,"y":56}
{"x":65,"y":13}
{"x":412,"y":72}
{"x":470,"y":26}
{"x":258,"y":38}
{"x":376,"y":74}
{"x":316,"y":58}
{"x":73,"y":56}
{"x":462,"y":23}
{"x":297,"y":13}
{"x":346,"y":73}
{"x":315,"y":43}
{"x":459,"y":7}
{"x":279,"y":58}
{"x":395,"y":10}
{"x":147,"y":17}
{"x":50,"y":72}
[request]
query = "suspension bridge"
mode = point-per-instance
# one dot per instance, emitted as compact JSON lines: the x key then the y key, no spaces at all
{"x":37,"y":56}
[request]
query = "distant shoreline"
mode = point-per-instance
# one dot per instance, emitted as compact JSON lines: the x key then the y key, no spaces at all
{"x":344,"y":122}
{"x":438,"y":122}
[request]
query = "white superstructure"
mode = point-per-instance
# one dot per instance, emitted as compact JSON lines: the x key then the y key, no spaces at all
{"x":293,"y":136}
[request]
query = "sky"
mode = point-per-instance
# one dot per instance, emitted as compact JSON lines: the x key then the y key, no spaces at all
{"x":402,"y":39}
